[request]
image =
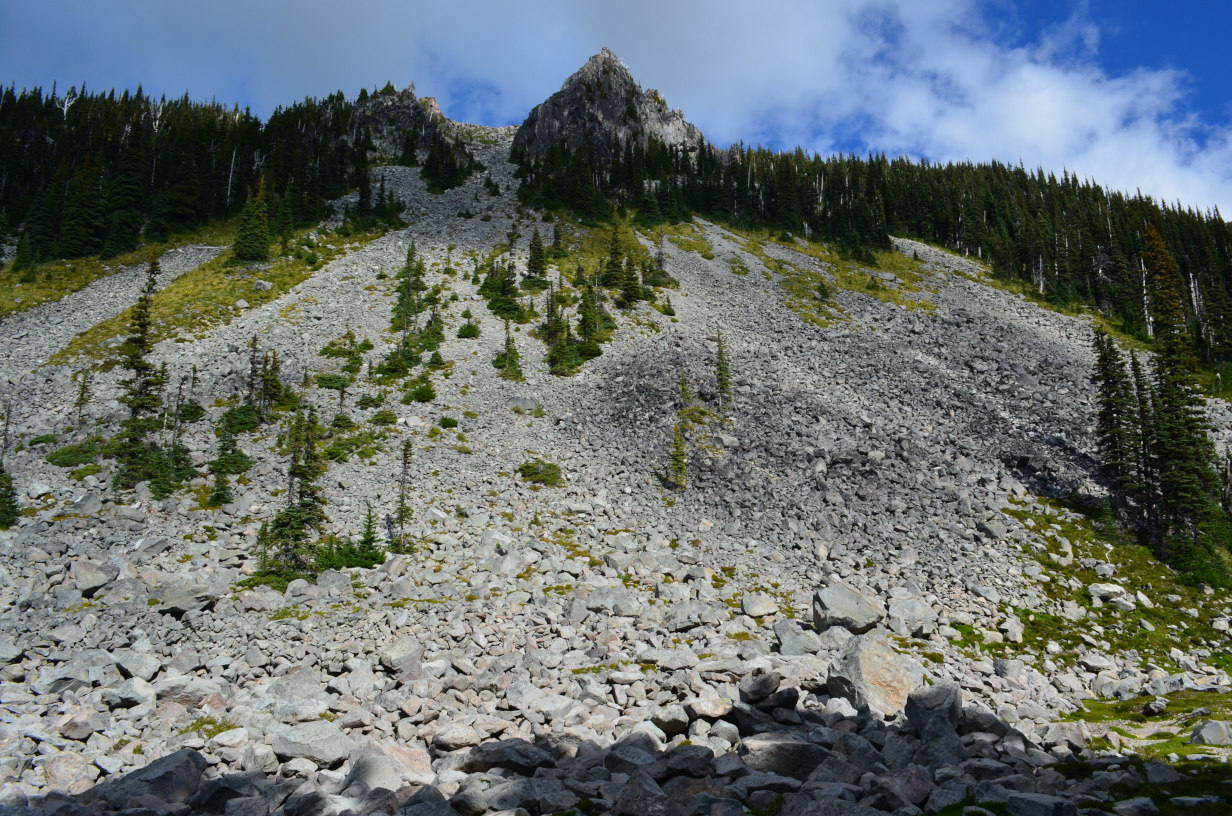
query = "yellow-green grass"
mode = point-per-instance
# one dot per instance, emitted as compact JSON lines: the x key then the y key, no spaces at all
{"x":1121,"y":630}
{"x":802,"y":284}
{"x":204,"y":298}
{"x":590,"y":246}
{"x":55,"y":280}
{"x":688,"y":236}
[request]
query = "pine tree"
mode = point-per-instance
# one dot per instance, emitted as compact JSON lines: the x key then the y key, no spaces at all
{"x":630,"y":286}
{"x":221,"y":492}
{"x":536,"y":263}
{"x":403,"y":514}
{"x":284,"y":542}
{"x":1117,"y":418}
{"x":686,"y":392}
{"x":509,"y":361}
{"x":142,"y":392}
{"x":678,"y":469}
{"x":10,"y":510}
{"x":722,"y":372}
{"x":1188,"y":482}
{"x":82,"y":230}
{"x":252,"y":237}
{"x":84,"y":381}
{"x":367,"y":539}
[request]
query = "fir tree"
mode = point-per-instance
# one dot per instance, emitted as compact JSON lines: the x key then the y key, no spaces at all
{"x":284,"y":543}
{"x":220,"y":494}
{"x":1188,"y":483}
{"x":85,"y":379}
{"x":509,"y":361}
{"x":686,"y":392}
{"x":536,"y":264}
{"x":722,"y":372}
{"x":678,"y":468}
{"x":10,"y":510}
{"x":1117,"y":417}
{"x":142,"y":392}
{"x":252,"y":237}
{"x":403,"y":513}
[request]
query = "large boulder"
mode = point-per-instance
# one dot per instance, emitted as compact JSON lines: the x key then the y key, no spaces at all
{"x":794,"y":640}
{"x":869,"y":672}
{"x":321,"y":742}
{"x":403,"y":657}
{"x":782,"y":755}
{"x":840,"y":605}
{"x":939,"y":700}
{"x":173,"y":779}
{"x":1212,"y":732}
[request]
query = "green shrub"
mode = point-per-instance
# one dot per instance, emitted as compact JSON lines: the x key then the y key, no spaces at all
{"x":468,"y":331}
{"x":191,"y":412}
{"x":384,"y":417}
{"x":45,"y":439}
{"x":448,"y":422}
{"x":369,"y":401}
{"x":78,"y":453}
{"x":343,"y":554}
{"x":423,"y":393}
{"x":241,"y":419}
{"x":540,"y":472}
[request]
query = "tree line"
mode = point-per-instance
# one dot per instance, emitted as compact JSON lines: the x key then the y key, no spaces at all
{"x":1073,"y":241}
{"x":95,"y":173}
{"x":1153,"y":433}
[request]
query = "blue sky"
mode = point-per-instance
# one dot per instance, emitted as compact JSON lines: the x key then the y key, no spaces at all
{"x":1130,"y":93}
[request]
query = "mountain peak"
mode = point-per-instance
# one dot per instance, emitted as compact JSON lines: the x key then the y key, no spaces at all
{"x":601,"y":104}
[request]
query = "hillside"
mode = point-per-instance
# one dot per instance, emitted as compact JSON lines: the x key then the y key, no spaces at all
{"x":887,"y":585}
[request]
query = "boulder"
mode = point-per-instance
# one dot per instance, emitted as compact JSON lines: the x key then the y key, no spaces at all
{"x":90,"y":577}
{"x":840,"y":605}
{"x":1038,"y":804}
{"x":403,"y":657}
{"x":188,"y":598}
{"x":758,"y":605}
{"x":939,"y":700}
{"x":1212,"y":732}
{"x":69,"y":773}
{"x":782,"y":755}
{"x":321,"y":742}
{"x":794,"y":640}
{"x":173,"y":779}
{"x":869,"y":672}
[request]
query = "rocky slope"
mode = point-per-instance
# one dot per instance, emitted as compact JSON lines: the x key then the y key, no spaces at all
{"x":810,"y":620}
{"x":601,"y":105}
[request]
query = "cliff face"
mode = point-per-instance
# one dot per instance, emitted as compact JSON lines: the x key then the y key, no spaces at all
{"x":390,"y":117}
{"x":603,"y":102}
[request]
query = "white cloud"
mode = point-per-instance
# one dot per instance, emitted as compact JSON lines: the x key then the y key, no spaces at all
{"x":928,"y":79}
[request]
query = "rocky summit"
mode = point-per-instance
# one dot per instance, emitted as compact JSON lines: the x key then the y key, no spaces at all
{"x":603,"y":99}
{"x":874,"y":588}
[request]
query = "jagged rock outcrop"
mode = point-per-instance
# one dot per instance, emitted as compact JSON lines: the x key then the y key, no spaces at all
{"x":602,"y":103}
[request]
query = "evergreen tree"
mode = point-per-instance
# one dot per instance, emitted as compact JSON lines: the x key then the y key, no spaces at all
{"x":10,"y":510}
{"x":630,"y":286}
{"x":252,"y":237}
{"x":686,"y":392}
{"x":536,"y":264}
{"x":678,"y":469}
{"x":1117,"y":416}
{"x":85,"y":379}
{"x":220,"y":494}
{"x":142,"y":393}
{"x":403,"y":514}
{"x":284,"y":543}
{"x":722,"y":372}
{"x":1188,"y":482}
{"x":126,"y":198}
{"x":368,"y":539}
{"x":509,"y":361}
{"x":83,"y":228}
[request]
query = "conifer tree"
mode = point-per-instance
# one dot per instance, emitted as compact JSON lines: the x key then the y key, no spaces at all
{"x":1188,"y":483}
{"x":722,"y":372}
{"x":678,"y":469}
{"x":220,"y":494}
{"x":284,"y":543}
{"x":403,"y":513}
{"x":142,"y":392}
{"x":1117,"y":417}
{"x":686,"y":392}
{"x":536,"y":264}
{"x":509,"y":361}
{"x":84,"y":393}
{"x":252,"y":237}
{"x":10,"y":510}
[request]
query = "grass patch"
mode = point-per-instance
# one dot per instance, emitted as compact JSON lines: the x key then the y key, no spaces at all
{"x":538,"y":471}
{"x":205,"y":298}
{"x":208,"y":727}
{"x":689,"y":237}
{"x":56,"y":280}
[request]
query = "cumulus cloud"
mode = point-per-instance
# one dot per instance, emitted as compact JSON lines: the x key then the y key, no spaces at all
{"x":933,"y":79}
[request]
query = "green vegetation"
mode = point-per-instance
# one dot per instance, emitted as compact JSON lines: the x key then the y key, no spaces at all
{"x":537,"y":471}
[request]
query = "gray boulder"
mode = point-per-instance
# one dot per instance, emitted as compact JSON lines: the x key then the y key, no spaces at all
{"x":840,"y":605}
{"x":321,"y":742}
{"x":869,"y":672}
{"x":403,"y":657}
{"x":794,"y":640}
{"x":782,"y":755}
{"x":1038,"y":804}
{"x":173,"y":779}
{"x":940,"y":700}
{"x":1212,"y":732}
